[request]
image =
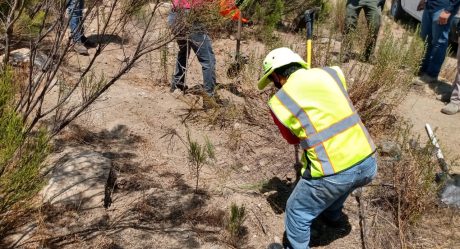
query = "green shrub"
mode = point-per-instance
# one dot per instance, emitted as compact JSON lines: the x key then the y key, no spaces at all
{"x":198,"y":155}
{"x":235,"y":224}
{"x":21,"y":156}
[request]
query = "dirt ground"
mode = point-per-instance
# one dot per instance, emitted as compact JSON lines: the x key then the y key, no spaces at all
{"x":154,"y":205}
{"x":422,"y":106}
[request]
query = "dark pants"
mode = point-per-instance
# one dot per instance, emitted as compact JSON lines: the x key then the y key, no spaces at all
{"x":373,"y":13}
{"x":436,"y":37}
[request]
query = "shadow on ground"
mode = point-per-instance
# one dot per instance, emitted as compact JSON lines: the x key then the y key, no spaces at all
{"x":106,"y":39}
{"x":442,"y":88}
{"x":175,"y":213}
{"x":322,"y":234}
{"x":279,"y":190}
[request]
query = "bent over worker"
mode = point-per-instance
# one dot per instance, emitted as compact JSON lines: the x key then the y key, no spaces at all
{"x":312,"y":108}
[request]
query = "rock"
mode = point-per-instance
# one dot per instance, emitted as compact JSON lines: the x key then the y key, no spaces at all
{"x":450,"y":194}
{"x":246,"y":169}
{"x":263,"y":162}
{"x":80,"y":180}
{"x":269,"y":193}
{"x":21,"y":57}
{"x":227,"y":192}
{"x":390,"y":148}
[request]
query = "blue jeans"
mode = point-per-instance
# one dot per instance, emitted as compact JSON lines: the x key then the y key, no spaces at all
{"x":326,"y":195}
{"x":197,"y":39}
{"x":75,"y":10}
{"x":436,"y":38}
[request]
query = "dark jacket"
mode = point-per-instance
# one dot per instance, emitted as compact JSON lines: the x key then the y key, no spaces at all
{"x":447,"y":5}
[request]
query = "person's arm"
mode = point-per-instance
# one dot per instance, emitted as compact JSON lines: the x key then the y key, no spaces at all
{"x":285,"y":132}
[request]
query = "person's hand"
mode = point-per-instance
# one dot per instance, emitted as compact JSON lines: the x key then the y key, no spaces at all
{"x":443,"y":17}
{"x":421,"y":5}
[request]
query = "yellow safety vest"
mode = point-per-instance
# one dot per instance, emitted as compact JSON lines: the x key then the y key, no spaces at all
{"x":314,"y":105}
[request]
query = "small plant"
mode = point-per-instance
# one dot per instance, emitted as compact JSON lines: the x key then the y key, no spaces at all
{"x":235,"y":222}
{"x":198,"y":155}
{"x":210,"y":149}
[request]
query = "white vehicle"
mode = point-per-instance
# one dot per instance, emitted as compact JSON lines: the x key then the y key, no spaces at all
{"x":399,"y":9}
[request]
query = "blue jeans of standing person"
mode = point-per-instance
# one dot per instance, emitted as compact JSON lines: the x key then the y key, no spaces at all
{"x":436,"y":38}
{"x":75,"y":11}
{"x":312,"y":197}
{"x":194,"y":38}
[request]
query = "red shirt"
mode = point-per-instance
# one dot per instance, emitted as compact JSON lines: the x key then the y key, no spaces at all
{"x":285,"y":132}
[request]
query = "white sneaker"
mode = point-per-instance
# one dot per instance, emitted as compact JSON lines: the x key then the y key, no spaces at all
{"x":450,"y":109}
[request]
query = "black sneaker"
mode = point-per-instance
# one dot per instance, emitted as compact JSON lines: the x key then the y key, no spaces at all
{"x":342,"y":221}
{"x":181,"y":87}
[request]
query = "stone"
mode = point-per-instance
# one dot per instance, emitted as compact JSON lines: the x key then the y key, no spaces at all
{"x":21,"y":57}
{"x":246,"y":169}
{"x":450,"y":194}
{"x":79,"y":180}
{"x":263,"y":162}
{"x":390,"y":148}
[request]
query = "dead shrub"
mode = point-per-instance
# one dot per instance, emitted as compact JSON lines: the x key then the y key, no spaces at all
{"x":410,"y":190}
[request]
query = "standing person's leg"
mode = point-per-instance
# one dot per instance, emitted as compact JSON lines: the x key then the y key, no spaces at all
{"x":202,"y":45}
{"x":75,"y":10}
{"x":373,"y":17}
{"x":426,"y":30}
{"x":439,"y":42}
{"x":454,"y":105}
{"x":351,"y":20}
{"x":178,"y":79}
{"x":175,"y":22}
